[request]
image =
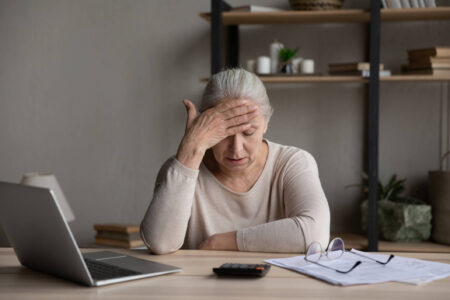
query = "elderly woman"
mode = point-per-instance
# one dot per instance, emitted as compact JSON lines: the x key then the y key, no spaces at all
{"x":228,"y":188}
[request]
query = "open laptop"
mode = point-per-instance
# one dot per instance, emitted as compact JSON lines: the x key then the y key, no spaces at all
{"x":42,"y":240}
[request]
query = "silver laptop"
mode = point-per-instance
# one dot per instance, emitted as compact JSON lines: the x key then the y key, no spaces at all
{"x":42,"y":240}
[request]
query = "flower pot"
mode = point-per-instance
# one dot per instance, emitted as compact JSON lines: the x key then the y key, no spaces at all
{"x":400,"y":221}
{"x":287,"y":68}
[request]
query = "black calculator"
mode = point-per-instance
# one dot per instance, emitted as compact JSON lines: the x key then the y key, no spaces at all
{"x":244,"y":270}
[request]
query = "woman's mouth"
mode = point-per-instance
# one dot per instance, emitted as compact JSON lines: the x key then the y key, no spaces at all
{"x":236,"y":161}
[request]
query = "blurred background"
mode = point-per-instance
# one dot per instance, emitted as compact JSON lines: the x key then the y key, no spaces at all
{"x":91,"y":91}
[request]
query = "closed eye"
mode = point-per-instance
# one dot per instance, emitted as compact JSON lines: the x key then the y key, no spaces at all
{"x":249,"y":133}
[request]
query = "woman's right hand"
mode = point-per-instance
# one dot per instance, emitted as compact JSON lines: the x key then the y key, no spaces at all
{"x":205,"y":130}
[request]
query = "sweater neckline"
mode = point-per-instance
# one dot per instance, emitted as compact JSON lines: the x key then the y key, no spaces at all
{"x":264,"y":171}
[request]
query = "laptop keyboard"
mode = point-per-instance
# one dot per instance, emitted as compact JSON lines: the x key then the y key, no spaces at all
{"x":102,"y":271}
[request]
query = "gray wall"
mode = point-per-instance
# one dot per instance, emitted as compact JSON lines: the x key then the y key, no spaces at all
{"x":92,"y":90}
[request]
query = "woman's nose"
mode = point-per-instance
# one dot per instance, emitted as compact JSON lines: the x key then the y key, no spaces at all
{"x":236,"y":143}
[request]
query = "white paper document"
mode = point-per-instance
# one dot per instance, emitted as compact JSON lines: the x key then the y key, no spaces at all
{"x":400,"y":269}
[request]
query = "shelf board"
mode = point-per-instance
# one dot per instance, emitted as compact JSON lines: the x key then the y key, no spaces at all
{"x":306,"y":79}
{"x":331,"y":16}
{"x":328,"y":79}
{"x":415,"y":14}
{"x":293,"y":17}
{"x":415,"y":78}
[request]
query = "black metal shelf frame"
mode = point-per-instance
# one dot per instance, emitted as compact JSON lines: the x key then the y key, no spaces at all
{"x":232,"y":60}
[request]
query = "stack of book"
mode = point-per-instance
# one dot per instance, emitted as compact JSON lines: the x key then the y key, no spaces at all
{"x":355,"y":69}
{"x":118,"y":235}
{"x":429,"y":61}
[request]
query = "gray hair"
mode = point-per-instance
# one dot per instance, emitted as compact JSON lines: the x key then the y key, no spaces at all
{"x":236,"y":83}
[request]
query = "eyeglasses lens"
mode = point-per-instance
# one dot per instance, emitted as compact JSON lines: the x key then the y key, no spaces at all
{"x":336,"y":248}
{"x":314,"y":252}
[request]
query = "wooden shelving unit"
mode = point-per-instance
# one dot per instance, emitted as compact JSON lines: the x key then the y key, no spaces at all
{"x":332,"y":16}
{"x":336,"y":16}
{"x":222,"y":18}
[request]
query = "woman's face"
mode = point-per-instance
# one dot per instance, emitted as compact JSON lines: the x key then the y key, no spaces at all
{"x":240,"y":151}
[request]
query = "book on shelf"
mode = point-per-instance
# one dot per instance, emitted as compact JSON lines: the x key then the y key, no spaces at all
{"x":414,"y":3}
{"x":394,"y":4}
{"x":362,"y":73}
{"x":353,"y":66}
{"x":408,"y":3}
{"x":429,"y":60}
{"x":254,"y":8}
{"x":414,"y":54}
{"x":405,"y":4}
{"x":430,"y":3}
{"x":427,"y":65}
{"x":433,"y":72}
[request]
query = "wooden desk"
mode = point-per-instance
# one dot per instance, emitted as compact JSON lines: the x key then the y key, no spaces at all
{"x":197,"y":281}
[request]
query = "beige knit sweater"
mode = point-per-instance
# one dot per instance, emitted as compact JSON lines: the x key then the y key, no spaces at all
{"x":284,"y":211}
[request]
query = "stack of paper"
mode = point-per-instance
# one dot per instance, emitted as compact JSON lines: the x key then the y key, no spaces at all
{"x":400,"y":269}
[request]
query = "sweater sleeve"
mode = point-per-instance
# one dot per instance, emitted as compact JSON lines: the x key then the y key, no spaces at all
{"x":164,"y":226}
{"x":306,"y":209}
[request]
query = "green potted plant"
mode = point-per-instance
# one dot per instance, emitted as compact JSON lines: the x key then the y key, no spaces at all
{"x":400,"y":218}
{"x":286,"y":56}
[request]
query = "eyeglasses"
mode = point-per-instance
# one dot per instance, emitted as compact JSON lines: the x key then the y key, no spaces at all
{"x":335,"y":250}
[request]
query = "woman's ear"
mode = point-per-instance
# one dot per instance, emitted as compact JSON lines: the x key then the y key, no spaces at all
{"x":266,"y":125}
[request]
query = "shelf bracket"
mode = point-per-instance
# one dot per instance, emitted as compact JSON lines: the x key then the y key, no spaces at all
{"x":373,"y":123}
{"x":232,"y":50}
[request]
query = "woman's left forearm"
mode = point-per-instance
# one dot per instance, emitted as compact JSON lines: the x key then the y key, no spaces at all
{"x":220,"y":241}
{"x":289,"y":235}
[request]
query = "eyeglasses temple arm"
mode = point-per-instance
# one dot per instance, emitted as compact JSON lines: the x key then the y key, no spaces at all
{"x":389,"y":259}
{"x":380,"y":262}
{"x":330,"y":268}
{"x":348,"y":271}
